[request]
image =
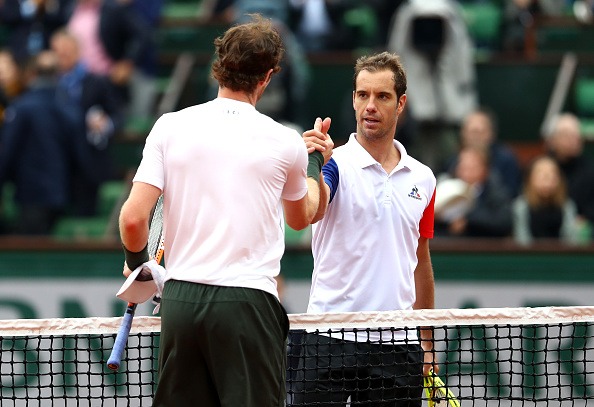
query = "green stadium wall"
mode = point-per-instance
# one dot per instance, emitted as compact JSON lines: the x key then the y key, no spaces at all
{"x":81,"y":282}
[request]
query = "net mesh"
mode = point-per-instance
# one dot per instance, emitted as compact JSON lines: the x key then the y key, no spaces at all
{"x":487,"y":357}
{"x":62,"y":362}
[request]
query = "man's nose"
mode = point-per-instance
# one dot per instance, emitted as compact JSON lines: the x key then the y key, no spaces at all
{"x":371,"y":105}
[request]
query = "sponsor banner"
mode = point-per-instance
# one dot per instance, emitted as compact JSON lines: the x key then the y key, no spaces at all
{"x":63,"y":298}
{"x":477,"y":294}
{"x":88,"y":297}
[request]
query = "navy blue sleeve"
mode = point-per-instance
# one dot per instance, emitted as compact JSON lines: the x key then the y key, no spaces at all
{"x":330,"y":171}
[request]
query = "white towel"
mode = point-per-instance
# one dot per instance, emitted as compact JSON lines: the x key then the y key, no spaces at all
{"x":140,"y":291}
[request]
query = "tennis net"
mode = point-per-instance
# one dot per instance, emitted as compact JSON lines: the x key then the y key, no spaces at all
{"x":500,"y":357}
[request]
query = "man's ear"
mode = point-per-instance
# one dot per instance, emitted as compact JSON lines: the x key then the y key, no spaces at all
{"x":401,"y":103}
{"x":268,"y":76}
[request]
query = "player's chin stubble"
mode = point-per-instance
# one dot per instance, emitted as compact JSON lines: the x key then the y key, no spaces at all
{"x":376,"y":136}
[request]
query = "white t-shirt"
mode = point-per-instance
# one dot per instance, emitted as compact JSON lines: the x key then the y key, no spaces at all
{"x":365,"y":247}
{"x":223,"y":168}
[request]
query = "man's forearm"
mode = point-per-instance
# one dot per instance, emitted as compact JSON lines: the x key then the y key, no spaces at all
{"x":324,"y":200}
{"x":313,"y":198}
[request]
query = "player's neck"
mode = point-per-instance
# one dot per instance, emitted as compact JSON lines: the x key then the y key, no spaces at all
{"x":382,"y":150}
{"x":240,"y":96}
{"x":247,"y":97}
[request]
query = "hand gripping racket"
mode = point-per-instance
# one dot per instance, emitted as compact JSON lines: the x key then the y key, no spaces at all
{"x":438,"y":395}
{"x":156,"y":248}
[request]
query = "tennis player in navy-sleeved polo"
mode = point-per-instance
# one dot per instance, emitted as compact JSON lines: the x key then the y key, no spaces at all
{"x":371,"y":250}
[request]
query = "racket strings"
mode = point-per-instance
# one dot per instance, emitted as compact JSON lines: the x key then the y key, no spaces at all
{"x":156,"y":230}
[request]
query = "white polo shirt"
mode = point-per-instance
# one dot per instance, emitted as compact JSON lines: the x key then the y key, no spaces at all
{"x":365,"y":247}
{"x":223,"y":168}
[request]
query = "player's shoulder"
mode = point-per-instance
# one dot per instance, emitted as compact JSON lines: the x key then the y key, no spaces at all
{"x":276,"y":132}
{"x":284,"y":128}
{"x":344,"y":151}
{"x":191,"y":110}
{"x":420,"y":168}
{"x":188,"y":113}
{"x":188,"y":119}
{"x":415,"y":166}
{"x":341,"y":150}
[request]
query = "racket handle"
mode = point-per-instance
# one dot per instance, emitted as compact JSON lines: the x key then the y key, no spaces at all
{"x":115,"y":358}
{"x":160,"y":250}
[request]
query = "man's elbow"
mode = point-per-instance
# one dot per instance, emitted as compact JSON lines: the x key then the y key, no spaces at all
{"x":299,"y":214}
{"x":131,"y":223}
{"x":319,"y":214}
{"x":298,"y":223}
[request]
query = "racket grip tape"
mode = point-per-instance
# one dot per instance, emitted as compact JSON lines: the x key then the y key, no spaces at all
{"x":113,"y":363}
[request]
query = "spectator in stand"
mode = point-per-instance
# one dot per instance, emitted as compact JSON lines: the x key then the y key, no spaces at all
{"x":37,"y":142}
{"x":566,"y":145}
{"x":216,"y":11}
{"x":384,"y":12}
{"x":11,"y":85}
{"x":318,"y":24}
{"x":11,"y":81}
{"x":479,"y":130}
{"x":97,"y":105}
{"x":438,"y":55}
{"x":144,"y":86}
{"x":113,"y":40}
{"x":544,"y":210}
{"x":31,"y":23}
{"x":84,"y":26}
{"x":127,"y":38}
{"x":488,"y":213}
{"x":518,"y":15}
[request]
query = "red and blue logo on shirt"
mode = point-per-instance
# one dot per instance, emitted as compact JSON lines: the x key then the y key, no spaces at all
{"x":415,"y":193}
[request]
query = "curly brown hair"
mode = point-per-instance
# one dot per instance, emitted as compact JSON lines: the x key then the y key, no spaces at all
{"x":245,"y":54}
{"x":384,"y":61}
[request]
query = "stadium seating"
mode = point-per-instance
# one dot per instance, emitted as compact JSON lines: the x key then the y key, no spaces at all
{"x":484,"y":24}
{"x":180,"y":9}
{"x":363,"y":23}
{"x":80,"y":228}
{"x":95,"y":227}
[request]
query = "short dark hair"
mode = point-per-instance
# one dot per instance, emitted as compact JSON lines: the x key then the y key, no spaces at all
{"x":384,"y":61}
{"x":245,"y":54}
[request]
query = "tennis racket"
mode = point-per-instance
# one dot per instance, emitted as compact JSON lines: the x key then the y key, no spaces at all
{"x":438,"y":395}
{"x":156,"y":248}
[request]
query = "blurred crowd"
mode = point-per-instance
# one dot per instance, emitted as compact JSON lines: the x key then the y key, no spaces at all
{"x":485,"y":192}
{"x":73,"y":72}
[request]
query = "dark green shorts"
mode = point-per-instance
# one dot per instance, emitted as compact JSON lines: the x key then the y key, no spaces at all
{"x":221,"y":346}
